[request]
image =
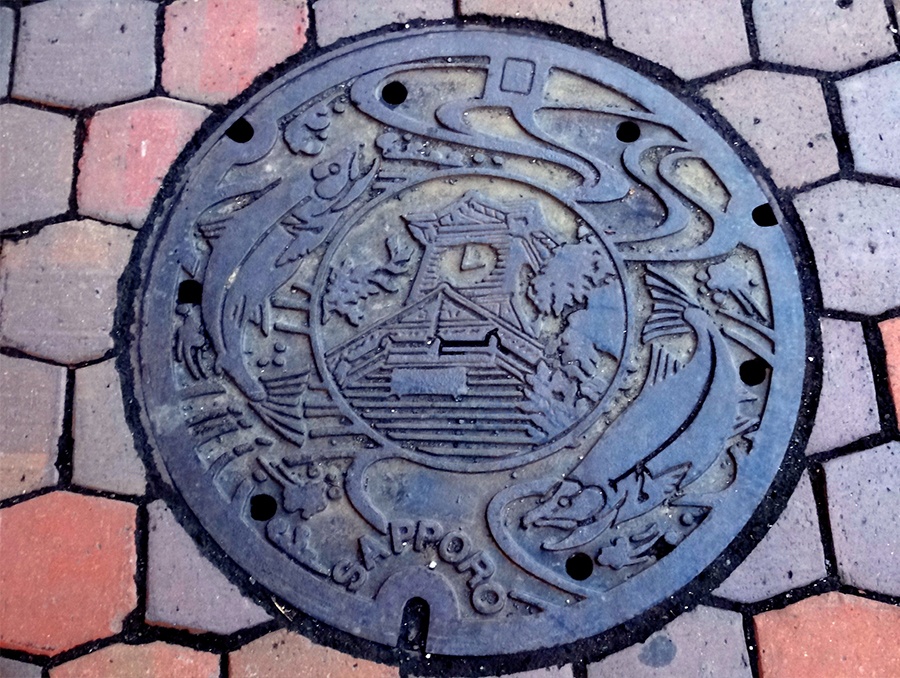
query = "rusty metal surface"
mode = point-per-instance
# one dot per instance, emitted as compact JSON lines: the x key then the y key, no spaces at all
{"x":473,"y":317}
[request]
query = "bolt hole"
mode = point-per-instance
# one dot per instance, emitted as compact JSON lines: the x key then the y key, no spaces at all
{"x":263,"y":506}
{"x":240,"y":132}
{"x":190,"y":292}
{"x":394,"y":93}
{"x":628,"y":132}
{"x":753,"y":371}
{"x":764,"y":215}
{"x":579,"y":566}
{"x":843,"y":4}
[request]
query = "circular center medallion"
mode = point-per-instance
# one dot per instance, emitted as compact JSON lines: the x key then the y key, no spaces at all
{"x":472,"y":317}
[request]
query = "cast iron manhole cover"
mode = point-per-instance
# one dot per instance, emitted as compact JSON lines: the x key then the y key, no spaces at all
{"x":473,"y":317}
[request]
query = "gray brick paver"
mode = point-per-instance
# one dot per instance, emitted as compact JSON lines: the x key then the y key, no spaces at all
{"x":83,"y":52}
{"x":863,"y":505}
{"x":853,"y":230}
{"x":37,"y":151}
{"x":871,"y":110}
{"x":789,"y":556}
{"x":824,"y":35}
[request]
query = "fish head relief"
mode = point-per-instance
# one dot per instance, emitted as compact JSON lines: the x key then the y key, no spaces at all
{"x":477,"y":318}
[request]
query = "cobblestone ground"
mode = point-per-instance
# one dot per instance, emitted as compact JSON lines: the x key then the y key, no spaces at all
{"x":98,"y":98}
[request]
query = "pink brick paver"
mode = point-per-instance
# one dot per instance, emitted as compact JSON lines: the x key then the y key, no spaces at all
{"x":37,"y":150}
{"x":69,"y":272}
{"x":830,"y":636}
{"x":31,"y":414}
{"x":215,"y":48}
{"x":579,"y":15}
{"x":72,"y":577}
{"x":128,"y":152}
{"x":154,"y":660}
{"x":692,"y":37}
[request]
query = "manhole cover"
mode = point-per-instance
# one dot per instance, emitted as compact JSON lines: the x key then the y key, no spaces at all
{"x":471,"y":317}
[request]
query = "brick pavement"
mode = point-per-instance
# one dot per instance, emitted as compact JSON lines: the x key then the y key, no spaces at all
{"x":98,"y":578}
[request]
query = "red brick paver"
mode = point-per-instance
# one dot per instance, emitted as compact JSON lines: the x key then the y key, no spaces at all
{"x":215,"y":48}
{"x":154,"y":660}
{"x":128,"y":152}
{"x":890,"y":333}
{"x":71,"y":578}
{"x":59,"y":290}
{"x":288,"y":655}
{"x":31,"y":413}
{"x":830,"y":636}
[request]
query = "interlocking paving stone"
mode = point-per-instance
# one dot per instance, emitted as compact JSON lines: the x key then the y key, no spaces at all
{"x":13,"y":669}
{"x":37,"y":149}
{"x":789,"y":556}
{"x":104,"y":456}
{"x":668,"y":33}
{"x":551,"y":672}
{"x":59,"y":290}
{"x":336,"y":19}
{"x":85,"y":52}
{"x":705,"y":642}
{"x":283,"y":654}
{"x":829,"y":636}
{"x":31,"y":412}
{"x":825,"y":35}
{"x":871,"y":110}
{"x":579,"y":15}
{"x":72,"y":577}
{"x":128,"y":152}
{"x":215,"y":48}
{"x":863,"y":506}
{"x":847,"y":408}
{"x":784,"y":118}
{"x":184,"y":589}
{"x":852,"y":228}
{"x":890,"y":333}
{"x":154,"y":660}
{"x":7,"y":33}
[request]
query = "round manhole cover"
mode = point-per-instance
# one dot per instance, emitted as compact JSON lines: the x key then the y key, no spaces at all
{"x":471,"y":317}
